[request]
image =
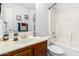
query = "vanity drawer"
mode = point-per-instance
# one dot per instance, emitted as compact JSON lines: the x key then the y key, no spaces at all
{"x":22,"y":49}
{"x":8,"y":54}
{"x":27,"y":52}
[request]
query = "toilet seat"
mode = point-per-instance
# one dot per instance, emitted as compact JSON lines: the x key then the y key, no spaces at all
{"x":55,"y":49}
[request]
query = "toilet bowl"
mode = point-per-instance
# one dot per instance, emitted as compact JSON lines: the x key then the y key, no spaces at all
{"x":55,"y":50}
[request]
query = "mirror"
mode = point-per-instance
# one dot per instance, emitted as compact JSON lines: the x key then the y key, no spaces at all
{"x":18,"y":17}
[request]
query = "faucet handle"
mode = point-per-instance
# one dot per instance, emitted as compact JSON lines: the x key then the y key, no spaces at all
{"x":15,"y":36}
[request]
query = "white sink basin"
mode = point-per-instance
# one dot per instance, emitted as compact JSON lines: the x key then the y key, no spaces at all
{"x":24,"y":41}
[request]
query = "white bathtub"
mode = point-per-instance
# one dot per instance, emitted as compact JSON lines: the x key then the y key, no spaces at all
{"x":68,"y":51}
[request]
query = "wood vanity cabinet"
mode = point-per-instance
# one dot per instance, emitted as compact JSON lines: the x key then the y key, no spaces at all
{"x":38,"y":49}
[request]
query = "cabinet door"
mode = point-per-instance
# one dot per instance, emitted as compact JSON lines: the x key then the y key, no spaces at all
{"x":40,"y":49}
{"x":28,"y":52}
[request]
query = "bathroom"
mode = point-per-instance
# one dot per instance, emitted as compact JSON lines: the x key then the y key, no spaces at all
{"x":27,"y":26}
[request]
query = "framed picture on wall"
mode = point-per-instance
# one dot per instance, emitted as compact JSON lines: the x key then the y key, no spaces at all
{"x":26,"y":17}
{"x":22,"y":27}
{"x":18,"y":17}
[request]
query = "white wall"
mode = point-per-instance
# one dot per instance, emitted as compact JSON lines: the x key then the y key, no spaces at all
{"x":68,"y":24}
{"x":42,"y":28}
{"x":10,"y":12}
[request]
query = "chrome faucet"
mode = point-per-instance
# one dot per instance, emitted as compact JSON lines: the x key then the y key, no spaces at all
{"x":15,"y":36}
{"x":5,"y":37}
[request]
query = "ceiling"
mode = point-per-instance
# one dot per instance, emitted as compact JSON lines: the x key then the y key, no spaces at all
{"x":32,"y":5}
{"x":27,"y":5}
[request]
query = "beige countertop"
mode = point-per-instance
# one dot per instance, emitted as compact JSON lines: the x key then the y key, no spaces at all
{"x":10,"y":45}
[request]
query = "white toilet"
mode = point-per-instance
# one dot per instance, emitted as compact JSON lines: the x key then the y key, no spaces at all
{"x":55,"y":50}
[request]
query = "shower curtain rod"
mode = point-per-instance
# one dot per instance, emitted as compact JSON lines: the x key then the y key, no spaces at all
{"x":52,"y":5}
